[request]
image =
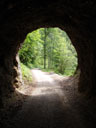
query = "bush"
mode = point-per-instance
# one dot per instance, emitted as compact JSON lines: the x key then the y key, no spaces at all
{"x":26,"y":72}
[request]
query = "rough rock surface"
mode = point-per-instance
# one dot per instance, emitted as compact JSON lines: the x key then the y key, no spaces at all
{"x":76,"y":17}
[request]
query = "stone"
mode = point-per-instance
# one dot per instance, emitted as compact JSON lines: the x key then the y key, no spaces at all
{"x":76,"y":17}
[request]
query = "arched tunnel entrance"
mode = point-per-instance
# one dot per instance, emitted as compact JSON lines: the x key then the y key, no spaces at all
{"x":49,"y":49}
{"x":23,"y":17}
{"x":77,"y":18}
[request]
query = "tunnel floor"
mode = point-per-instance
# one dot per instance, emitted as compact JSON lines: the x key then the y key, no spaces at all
{"x":51,"y":105}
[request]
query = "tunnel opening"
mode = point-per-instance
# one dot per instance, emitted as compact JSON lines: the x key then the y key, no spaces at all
{"x":77,"y":18}
{"x":29,"y":16}
{"x":49,"y":49}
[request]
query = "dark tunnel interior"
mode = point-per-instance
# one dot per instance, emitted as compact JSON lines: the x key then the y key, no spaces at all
{"x":76,"y":17}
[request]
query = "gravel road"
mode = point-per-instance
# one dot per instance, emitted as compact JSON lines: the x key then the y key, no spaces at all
{"x":49,"y":106}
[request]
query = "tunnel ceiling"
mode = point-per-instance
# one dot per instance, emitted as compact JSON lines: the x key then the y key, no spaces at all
{"x":23,"y":16}
{"x":76,"y":17}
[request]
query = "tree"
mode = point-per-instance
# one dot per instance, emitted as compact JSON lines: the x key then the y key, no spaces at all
{"x":50,"y":48}
{"x":30,"y":48}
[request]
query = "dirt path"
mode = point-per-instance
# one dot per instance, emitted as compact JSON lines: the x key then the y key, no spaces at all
{"x":48,"y":107}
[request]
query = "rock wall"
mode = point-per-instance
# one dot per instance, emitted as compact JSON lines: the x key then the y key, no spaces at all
{"x":76,"y":17}
{"x":18,"y":81}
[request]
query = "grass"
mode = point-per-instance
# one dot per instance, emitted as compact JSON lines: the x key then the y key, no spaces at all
{"x":26,"y":72}
{"x":27,"y":75}
{"x":66,"y":73}
{"x":47,"y":70}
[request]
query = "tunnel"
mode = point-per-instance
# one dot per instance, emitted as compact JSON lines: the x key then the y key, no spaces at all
{"x":76,"y":17}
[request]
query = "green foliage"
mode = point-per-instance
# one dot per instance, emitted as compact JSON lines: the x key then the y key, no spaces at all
{"x":30,"y":48}
{"x":51,"y":48}
{"x":26,"y":73}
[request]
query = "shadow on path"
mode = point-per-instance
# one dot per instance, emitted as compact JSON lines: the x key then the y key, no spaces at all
{"x":51,"y":105}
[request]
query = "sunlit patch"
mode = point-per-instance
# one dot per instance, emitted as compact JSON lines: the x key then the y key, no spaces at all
{"x":42,"y":91}
{"x":38,"y":74}
{"x":45,"y":85}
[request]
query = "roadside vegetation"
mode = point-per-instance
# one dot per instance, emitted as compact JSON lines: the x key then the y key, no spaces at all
{"x":49,"y":49}
{"x":26,"y":73}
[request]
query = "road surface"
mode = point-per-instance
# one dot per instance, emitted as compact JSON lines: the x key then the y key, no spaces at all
{"x":48,"y":106}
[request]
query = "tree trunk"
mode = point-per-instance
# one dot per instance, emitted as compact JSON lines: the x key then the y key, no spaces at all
{"x":45,"y":43}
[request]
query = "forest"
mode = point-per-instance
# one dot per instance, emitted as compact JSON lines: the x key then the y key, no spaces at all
{"x":49,"y":49}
